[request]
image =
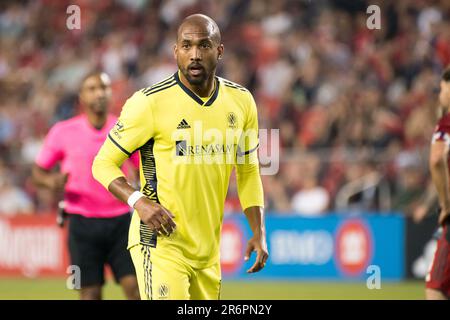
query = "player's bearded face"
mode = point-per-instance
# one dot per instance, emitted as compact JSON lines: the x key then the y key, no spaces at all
{"x":195,"y":73}
{"x":196,"y":59}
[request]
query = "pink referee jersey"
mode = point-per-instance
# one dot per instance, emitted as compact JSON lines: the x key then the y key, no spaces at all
{"x":75,"y":144}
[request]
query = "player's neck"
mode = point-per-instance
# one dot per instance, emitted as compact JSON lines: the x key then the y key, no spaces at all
{"x":96,"y":120}
{"x":202,"y":90}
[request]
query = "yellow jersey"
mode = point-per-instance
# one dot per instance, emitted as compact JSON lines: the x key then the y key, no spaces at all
{"x":188,"y":148}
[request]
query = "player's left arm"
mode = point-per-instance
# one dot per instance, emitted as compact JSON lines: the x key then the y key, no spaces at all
{"x":440,"y":176}
{"x":250,"y":189}
{"x":257,"y":243}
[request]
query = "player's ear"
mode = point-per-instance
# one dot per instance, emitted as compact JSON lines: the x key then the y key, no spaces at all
{"x":220,"y":50}
{"x":175,"y":51}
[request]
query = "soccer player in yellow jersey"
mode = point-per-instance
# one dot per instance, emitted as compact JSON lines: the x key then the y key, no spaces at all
{"x":191,"y":130}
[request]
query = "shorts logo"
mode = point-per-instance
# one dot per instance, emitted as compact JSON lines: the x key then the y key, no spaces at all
{"x":163,"y":291}
{"x":232,"y":120}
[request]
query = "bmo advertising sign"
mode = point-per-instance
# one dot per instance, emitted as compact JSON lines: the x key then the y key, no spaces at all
{"x":330,"y":247}
{"x":353,"y":247}
{"x":333,"y":247}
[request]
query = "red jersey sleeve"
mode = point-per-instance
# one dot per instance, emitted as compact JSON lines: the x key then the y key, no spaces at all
{"x":442,"y":130}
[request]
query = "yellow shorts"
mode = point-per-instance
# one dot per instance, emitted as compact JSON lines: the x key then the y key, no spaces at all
{"x":164,"y":279}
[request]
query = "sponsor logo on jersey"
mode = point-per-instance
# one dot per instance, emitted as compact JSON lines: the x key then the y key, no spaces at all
{"x":119,"y":126}
{"x":183,"y":125}
{"x":183,"y":149}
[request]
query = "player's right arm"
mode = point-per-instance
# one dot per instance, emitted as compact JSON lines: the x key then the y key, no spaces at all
{"x":133,"y":129}
{"x":440,"y":173}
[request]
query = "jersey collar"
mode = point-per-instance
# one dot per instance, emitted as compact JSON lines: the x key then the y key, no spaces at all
{"x":194,"y":96}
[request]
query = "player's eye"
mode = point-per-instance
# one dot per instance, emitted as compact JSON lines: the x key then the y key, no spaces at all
{"x":205,"y":45}
{"x":185,"y":45}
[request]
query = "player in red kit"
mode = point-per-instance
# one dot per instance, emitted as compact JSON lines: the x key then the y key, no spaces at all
{"x":438,"y":277}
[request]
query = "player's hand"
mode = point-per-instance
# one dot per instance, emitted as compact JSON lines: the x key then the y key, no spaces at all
{"x":58,"y":181}
{"x":258,"y":244}
{"x":443,"y":216}
{"x":154,"y":215}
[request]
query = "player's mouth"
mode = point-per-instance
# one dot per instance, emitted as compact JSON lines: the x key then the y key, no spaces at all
{"x":99,"y":104}
{"x":196,"y":70}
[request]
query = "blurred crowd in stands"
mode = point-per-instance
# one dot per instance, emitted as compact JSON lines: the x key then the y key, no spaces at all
{"x":355,"y":107}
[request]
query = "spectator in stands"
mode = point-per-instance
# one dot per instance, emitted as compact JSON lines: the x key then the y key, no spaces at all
{"x":339,"y":85}
{"x":13,"y":200}
{"x":311,"y":199}
{"x":409,"y":190}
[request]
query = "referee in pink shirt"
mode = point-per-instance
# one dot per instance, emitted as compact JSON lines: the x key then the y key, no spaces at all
{"x":98,"y":222}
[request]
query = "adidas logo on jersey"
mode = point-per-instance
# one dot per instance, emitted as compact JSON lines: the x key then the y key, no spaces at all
{"x":183,"y":125}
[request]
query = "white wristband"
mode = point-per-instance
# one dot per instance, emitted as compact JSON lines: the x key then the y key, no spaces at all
{"x":135,"y":196}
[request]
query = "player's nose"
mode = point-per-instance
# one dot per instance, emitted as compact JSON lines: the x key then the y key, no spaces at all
{"x":100,"y":93}
{"x":195,"y":54}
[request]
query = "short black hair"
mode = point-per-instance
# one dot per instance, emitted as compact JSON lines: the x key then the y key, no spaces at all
{"x":90,"y":73}
{"x":446,"y":74}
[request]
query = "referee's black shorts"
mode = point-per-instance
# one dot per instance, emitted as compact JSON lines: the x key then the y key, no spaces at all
{"x":94,"y":242}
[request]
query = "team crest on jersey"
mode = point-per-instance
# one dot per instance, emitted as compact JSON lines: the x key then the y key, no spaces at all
{"x":163,"y":291}
{"x":232,"y":120}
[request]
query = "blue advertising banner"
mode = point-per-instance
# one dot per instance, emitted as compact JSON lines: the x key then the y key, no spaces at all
{"x":333,"y":247}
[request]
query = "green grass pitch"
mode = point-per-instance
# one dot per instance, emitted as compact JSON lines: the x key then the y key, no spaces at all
{"x":43,"y":289}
